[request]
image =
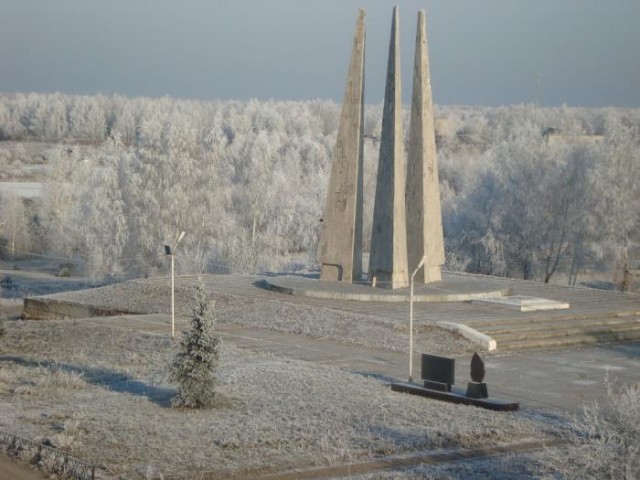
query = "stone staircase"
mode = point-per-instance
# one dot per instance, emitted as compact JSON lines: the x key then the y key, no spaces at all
{"x":554,"y":331}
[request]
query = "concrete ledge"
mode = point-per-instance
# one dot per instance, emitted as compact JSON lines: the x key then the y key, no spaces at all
{"x":41,"y":308}
{"x":452,"y":288}
{"x":484,"y":341}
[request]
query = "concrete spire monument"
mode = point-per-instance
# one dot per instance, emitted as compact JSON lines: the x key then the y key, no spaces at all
{"x":341,"y":236}
{"x":424,"y":216}
{"x":388,"y":258}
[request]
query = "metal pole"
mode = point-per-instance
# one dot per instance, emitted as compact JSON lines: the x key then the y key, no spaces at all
{"x":171,"y":251}
{"x":173,"y":309}
{"x":411,"y":333}
{"x":422,"y":260}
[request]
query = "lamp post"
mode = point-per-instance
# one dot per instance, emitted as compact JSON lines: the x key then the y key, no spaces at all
{"x":411,"y":318}
{"x":171,"y":251}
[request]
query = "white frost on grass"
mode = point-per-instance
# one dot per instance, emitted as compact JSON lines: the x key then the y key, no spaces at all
{"x":29,"y":190}
{"x":273,"y":412}
{"x":521,"y":466}
{"x":276,"y":314}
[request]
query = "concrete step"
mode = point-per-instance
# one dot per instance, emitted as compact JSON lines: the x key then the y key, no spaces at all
{"x":558,"y":325}
{"x":593,"y":329}
{"x":546,"y":317}
{"x":559,"y":342}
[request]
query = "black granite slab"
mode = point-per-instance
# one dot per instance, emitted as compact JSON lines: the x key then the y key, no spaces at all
{"x":456,"y":395}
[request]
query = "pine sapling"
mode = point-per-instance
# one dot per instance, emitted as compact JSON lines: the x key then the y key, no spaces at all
{"x":193,"y":367}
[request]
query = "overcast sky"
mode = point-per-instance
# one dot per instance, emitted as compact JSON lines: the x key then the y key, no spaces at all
{"x":483,"y":52}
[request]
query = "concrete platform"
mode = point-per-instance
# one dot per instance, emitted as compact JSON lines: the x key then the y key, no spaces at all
{"x":452,"y":288}
{"x":524,"y":303}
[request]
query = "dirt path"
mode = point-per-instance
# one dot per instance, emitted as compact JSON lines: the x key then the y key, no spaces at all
{"x":11,"y":311}
{"x":403,"y":462}
{"x":16,"y":471}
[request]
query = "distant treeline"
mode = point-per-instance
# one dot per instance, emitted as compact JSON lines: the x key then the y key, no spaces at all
{"x":527,"y":192}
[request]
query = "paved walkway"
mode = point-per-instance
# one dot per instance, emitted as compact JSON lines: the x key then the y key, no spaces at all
{"x":561,"y":379}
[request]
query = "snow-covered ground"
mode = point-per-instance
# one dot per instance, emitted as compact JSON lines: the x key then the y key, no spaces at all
{"x":22,"y":189}
{"x":100,"y":393}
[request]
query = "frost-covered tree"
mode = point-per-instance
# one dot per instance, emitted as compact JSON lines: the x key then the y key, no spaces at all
{"x":88,"y":118}
{"x":617,"y":181}
{"x":525,"y":208}
{"x":125,"y":119}
{"x":572,"y":222}
{"x":63,"y":195}
{"x":14,"y":224}
{"x":104,"y":211}
{"x":247,"y":180}
{"x":194,"y":365}
{"x":50,"y":117}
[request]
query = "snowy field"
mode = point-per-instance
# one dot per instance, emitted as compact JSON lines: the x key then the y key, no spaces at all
{"x":100,"y":393}
{"x":255,"y":308}
{"x":22,"y":189}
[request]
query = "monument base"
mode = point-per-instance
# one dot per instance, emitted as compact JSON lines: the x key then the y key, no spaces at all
{"x":335,"y":273}
{"x":456,"y":396}
{"x":388,"y":280}
{"x":441,"y":387}
{"x":430,"y":274}
{"x":477,"y":390}
{"x":453,"y":287}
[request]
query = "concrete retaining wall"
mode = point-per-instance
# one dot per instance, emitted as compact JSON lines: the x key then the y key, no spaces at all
{"x":44,"y":308}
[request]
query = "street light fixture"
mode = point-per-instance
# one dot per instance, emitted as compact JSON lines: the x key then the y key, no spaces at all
{"x":171,"y":252}
{"x":411,"y":318}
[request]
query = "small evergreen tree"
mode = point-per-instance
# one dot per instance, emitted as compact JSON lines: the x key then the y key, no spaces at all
{"x":193,"y":367}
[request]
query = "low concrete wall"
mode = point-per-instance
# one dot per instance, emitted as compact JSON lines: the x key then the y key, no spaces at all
{"x":43,"y":308}
{"x":340,"y":291}
{"x":480,"y":339}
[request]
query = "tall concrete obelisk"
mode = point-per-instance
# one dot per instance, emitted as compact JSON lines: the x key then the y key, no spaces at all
{"x":388,"y":258}
{"x":341,"y":237}
{"x":424,"y":216}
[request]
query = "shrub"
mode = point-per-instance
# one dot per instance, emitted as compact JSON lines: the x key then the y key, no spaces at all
{"x":604,"y":442}
{"x":193,"y":367}
{"x":65,"y":270}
